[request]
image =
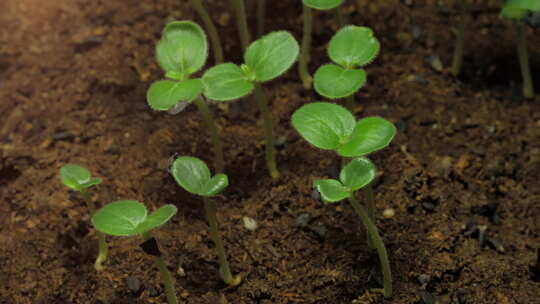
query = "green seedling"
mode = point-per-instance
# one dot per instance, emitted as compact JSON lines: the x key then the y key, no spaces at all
{"x":80,"y":179}
{"x":211,"y":28}
{"x":457,"y":57}
{"x":130,"y":218}
{"x":308,"y":6}
{"x":261,"y":12}
{"x":265,"y":59}
{"x":193,"y":175}
{"x":182,"y":51}
{"x":349,"y":49}
{"x":354,"y":176}
{"x":517,"y":11}
{"x":241,"y":22}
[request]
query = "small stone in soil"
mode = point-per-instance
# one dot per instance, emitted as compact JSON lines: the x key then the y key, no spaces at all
{"x":389,"y":213}
{"x":303,"y":219}
{"x":423,"y":279}
{"x":428,"y":206}
{"x":435,"y":63}
{"x":250,"y":223}
{"x":319,"y":229}
{"x":134,"y":285}
{"x":315,"y":195}
{"x":63,"y":135}
{"x":495,"y":244}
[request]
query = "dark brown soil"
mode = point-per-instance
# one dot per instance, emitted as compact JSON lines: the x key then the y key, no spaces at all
{"x":73,"y":77}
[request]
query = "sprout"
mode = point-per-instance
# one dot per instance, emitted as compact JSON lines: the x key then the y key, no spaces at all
{"x":193,"y":175}
{"x":182,"y":51}
{"x":350,"y":48}
{"x":130,"y":218}
{"x":265,"y":59}
{"x":80,"y":179}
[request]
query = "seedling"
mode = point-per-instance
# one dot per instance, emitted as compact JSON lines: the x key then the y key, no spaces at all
{"x":182,"y":51}
{"x":350,"y":48}
{"x":193,"y":175}
{"x":80,"y":179}
{"x":308,"y":6}
{"x":354,"y":176}
{"x":211,"y":28}
{"x":517,"y":11}
{"x":265,"y":59}
{"x":457,"y":57}
{"x":241,"y":22}
{"x":130,"y":218}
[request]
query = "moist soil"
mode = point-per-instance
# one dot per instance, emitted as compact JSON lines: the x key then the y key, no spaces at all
{"x":462,"y":175}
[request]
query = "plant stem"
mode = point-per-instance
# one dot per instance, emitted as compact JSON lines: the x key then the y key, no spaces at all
{"x":338,"y":16}
{"x":268,"y":131}
{"x":378,"y":243}
{"x":207,"y":116}
{"x":224,"y":269}
{"x":457,"y":58}
{"x":102,"y":243}
{"x":370,"y":206}
{"x":350,"y":103}
{"x":210,"y":28}
{"x":165,"y":274}
{"x":528,"y":89}
{"x":241,"y":22}
{"x":304,"y":58}
{"x":261,"y":12}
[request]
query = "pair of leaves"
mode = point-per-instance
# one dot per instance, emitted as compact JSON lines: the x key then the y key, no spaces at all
{"x":351,"y":47}
{"x":77,"y":178}
{"x":519,"y":9}
{"x":265,"y":59}
{"x":129,"y":217}
{"x":193,"y":175}
{"x":322,"y":4}
{"x":332,"y":127}
{"x":355,"y":175}
{"x":181,"y":51}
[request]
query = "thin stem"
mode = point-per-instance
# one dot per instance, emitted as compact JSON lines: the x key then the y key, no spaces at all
{"x":208,"y":118}
{"x":241,"y":22}
{"x":377,"y":242}
{"x":457,"y":58}
{"x":224,"y":269}
{"x":370,"y":206}
{"x":304,"y":58}
{"x":103,"y":249}
{"x":165,"y":274}
{"x":210,"y":28}
{"x":268,"y":131}
{"x":261,"y":12}
{"x":528,"y":88}
{"x":338,"y":16}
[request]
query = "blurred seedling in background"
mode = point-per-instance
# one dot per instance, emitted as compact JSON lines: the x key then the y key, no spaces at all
{"x":350,"y":48}
{"x":193,"y":175}
{"x":211,"y":29}
{"x":332,"y":127}
{"x":308,"y":6}
{"x":265,"y":59}
{"x":80,"y":179}
{"x":241,"y":22}
{"x":182,"y":51}
{"x":130,"y":218}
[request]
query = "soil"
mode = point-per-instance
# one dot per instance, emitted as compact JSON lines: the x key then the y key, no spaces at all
{"x":462,"y":174}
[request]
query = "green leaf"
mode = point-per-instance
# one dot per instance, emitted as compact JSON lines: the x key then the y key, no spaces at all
{"x":156,"y":219}
{"x":164,"y":94}
{"x":324,"y":125}
{"x":357,"y":173}
{"x":77,"y":177}
{"x":272,"y":55}
{"x":353,"y":46}
{"x":519,"y":9}
{"x":120,"y":218}
{"x":332,"y":81}
{"x":322,"y":4}
{"x":193,"y":175}
{"x":370,"y":134}
{"x":183,"y":48}
{"x":331,"y":190}
{"x":226,"y":81}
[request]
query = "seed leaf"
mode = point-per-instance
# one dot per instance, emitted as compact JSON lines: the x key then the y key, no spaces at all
{"x":120,"y":218}
{"x":77,"y":177}
{"x":357,"y":173}
{"x":370,"y":134}
{"x":332,"y":81}
{"x":272,"y":55}
{"x":353,"y":46}
{"x":324,"y":125}
{"x":519,"y":9}
{"x":322,"y":4}
{"x":165,"y":94}
{"x":331,"y":190}
{"x":183,"y":48}
{"x":225,"y":82}
{"x":193,"y":175}
{"x":156,"y":219}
